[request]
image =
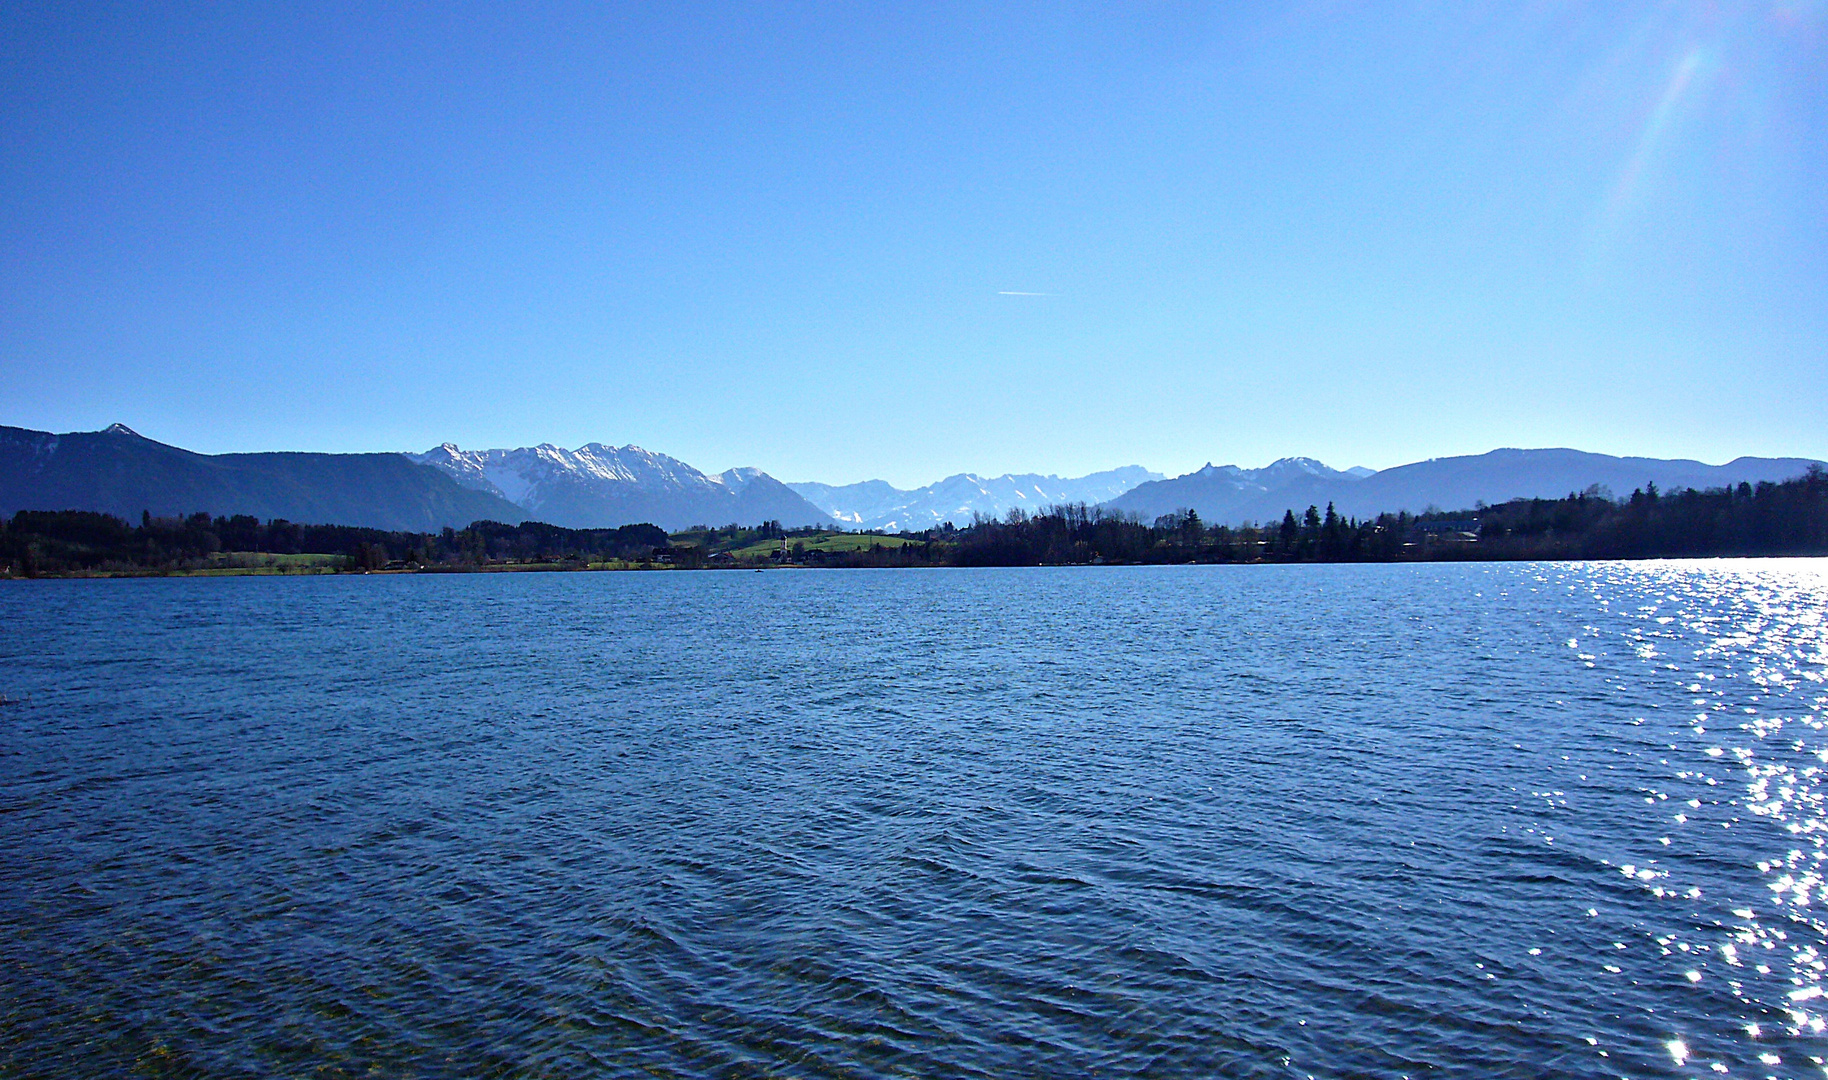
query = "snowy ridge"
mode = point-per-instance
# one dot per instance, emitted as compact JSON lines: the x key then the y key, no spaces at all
{"x":602,"y":486}
{"x":519,"y":475}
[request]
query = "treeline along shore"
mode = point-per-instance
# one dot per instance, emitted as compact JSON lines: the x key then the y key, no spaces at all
{"x":1787,"y":518}
{"x":75,"y":542}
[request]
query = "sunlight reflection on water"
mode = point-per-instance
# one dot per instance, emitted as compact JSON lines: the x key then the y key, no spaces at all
{"x":1747,"y":641}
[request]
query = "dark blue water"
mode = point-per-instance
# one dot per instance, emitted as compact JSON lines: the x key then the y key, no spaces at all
{"x":1500,"y":820}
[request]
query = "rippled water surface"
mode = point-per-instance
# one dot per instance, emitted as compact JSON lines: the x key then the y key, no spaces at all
{"x":1489,"y":820}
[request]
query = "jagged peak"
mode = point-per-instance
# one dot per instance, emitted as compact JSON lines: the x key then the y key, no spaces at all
{"x":121,"y":429}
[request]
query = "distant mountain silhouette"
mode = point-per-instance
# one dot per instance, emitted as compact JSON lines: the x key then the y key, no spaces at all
{"x":118,"y":471}
{"x":598,"y":486}
{"x":875,"y":504}
{"x":1230,"y":495}
{"x":854,"y":504}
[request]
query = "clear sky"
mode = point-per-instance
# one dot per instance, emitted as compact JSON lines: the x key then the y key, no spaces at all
{"x":843,"y":240}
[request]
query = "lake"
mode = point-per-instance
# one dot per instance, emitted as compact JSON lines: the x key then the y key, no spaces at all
{"x":1285,"y":821}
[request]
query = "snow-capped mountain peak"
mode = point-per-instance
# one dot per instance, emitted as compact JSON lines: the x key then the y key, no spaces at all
{"x":740,"y":478}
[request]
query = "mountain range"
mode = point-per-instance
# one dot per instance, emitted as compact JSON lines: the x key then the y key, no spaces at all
{"x":120,"y":472}
{"x":1225,"y":493}
{"x":875,"y":505}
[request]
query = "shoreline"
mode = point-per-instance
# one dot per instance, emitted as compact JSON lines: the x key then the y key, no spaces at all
{"x":547,"y":568}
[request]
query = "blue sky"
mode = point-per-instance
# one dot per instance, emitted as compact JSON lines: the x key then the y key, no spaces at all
{"x":842,"y":241}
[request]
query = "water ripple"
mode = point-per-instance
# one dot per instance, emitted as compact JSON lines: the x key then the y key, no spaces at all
{"x":1495,"y":820}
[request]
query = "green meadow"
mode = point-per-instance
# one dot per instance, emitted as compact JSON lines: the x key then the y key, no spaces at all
{"x":821,"y":541}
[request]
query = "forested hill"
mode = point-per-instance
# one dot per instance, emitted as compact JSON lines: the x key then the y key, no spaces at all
{"x":120,"y":472}
{"x":1232,"y":495}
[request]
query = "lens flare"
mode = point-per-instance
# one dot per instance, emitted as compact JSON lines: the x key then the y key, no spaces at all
{"x":1685,"y":82}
